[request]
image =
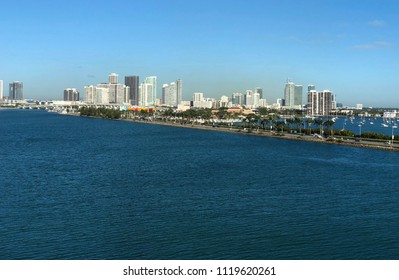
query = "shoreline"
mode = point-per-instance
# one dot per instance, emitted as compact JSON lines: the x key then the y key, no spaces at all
{"x":369,"y":144}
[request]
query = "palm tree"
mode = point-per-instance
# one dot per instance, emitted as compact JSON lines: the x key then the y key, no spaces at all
{"x":309,"y":123}
{"x":298,"y":123}
{"x":271,"y":121}
{"x":328,"y":124}
{"x":318,"y":122}
{"x":263,"y":123}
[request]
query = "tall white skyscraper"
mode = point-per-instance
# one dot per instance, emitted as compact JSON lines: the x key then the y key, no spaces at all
{"x":1,"y":89}
{"x":173,"y":95}
{"x":289,"y":94}
{"x":146,"y":95}
{"x":150,"y":91}
{"x":249,"y":98}
{"x":293,"y":95}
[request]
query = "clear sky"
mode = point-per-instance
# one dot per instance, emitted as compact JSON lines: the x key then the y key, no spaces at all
{"x":215,"y":46}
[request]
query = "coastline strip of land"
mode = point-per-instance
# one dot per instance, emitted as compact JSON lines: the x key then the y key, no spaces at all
{"x":362,"y":143}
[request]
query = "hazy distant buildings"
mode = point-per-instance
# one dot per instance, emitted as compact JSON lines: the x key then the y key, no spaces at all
{"x":16,"y":91}
{"x":237,"y":99}
{"x":224,"y":102}
{"x":249,"y":98}
{"x":172,"y":93}
{"x":71,"y":94}
{"x":200,"y":102}
{"x":108,"y":93}
{"x":293,"y":95}
{"x":133,"y":83}
{"x":260,"y":92}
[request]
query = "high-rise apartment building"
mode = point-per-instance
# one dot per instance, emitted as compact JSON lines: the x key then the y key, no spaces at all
{"x":320,"y":103}
{"x":71,"y":94}
{"x":165,"y":95}
{"x":146,"y":95}
{"x":105,"y":93}
{"x":133,"y":83}
{"x":172,"y":93}
{"x":96,"y":95}
{"x":249,"y":98}
{"x":148,"y":92}
{"x":1,"y":90}
{"x":16,"y":91}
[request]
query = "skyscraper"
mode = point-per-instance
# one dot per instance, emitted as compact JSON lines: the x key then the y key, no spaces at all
{"x":165,"y":94}
{"x":179,"y":91}
{"x":289,"y":94}
{"x":133,"y":83}
{"x":150,"y":91}
{"x":16,"y":91}
{"x":71,"y":94}
{"x":146,"y":95}
{"x":293,"y":95}
{"x":173,"y":95}
{"x":260,"y":91}
{"x":1,"y":89}
{"x":249,"y":98}
{"x":298,"y":92}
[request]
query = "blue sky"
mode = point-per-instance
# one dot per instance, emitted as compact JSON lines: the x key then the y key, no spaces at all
{"x":217,"y":47}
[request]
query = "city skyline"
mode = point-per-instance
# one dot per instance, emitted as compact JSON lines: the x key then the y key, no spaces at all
{"x":215,"y":47}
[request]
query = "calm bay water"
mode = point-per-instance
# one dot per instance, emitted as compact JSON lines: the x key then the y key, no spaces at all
{"x":79,"y":188}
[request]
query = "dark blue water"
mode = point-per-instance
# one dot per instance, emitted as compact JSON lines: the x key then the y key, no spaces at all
{"x":80,"y":188}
